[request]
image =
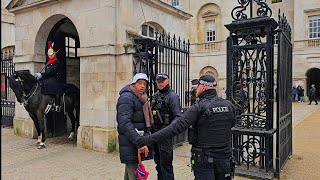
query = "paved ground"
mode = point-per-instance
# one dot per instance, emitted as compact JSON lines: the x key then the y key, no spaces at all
{"x":61,"y":159}
{"x":305,"y":161}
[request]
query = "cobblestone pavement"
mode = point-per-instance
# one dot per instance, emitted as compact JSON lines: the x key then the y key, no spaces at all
{"x":62,"y":159}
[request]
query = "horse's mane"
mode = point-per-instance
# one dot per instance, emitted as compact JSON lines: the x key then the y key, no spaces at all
{"x":26,"y":76}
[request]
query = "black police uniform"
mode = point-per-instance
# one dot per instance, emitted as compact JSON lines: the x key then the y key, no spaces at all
{"x":166,"y":108}
{"x":211,"y":118}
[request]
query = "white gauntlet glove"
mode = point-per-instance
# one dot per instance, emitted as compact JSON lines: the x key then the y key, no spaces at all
{"x":38,"y":76}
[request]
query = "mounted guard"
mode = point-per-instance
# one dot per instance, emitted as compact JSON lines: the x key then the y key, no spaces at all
{"x":52,"y":80}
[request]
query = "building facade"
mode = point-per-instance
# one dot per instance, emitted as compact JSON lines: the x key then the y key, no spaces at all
{"x":96,"y":37}
{"x":208,"y":35}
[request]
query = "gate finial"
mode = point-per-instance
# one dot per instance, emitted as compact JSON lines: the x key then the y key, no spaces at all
{"x":239,"y":12}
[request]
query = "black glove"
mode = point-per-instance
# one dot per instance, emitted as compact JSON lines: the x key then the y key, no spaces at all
{"x":145,"y":140}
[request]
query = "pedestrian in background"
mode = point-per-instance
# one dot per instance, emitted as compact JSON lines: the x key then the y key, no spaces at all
{"x":294,"y":93}
{"x":301,"y":94}
{"x":312,"y":94}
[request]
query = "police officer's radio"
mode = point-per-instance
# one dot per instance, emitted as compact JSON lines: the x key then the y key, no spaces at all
{"x":160,"y":111}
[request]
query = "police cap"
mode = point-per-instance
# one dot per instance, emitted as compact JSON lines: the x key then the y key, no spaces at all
{"x":162,"y":76}
{"x":207,"y":80}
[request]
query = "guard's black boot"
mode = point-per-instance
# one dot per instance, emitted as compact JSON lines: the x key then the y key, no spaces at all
{"x":56,"y":105}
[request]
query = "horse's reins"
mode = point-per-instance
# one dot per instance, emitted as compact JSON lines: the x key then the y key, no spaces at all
{"x":30,"y":94}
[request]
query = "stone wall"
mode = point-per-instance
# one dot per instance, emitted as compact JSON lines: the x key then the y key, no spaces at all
{"x":106,"y":54}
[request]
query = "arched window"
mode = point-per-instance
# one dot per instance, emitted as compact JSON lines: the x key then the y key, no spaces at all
{"x":209,"y":25}
{"x":149,"y":30}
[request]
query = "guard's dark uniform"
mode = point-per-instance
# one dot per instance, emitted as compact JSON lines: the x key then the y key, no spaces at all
{"x":52,"y":79}
{"x":211,"y":118}
{"x":166,"y":108}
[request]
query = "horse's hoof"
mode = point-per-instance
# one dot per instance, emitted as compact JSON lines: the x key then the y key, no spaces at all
{"x":71,"y":136}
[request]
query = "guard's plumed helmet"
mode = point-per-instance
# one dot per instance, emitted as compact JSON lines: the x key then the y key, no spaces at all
{"x":50,"y":48}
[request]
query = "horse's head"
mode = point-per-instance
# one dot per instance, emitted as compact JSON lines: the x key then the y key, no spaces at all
{"x":21,"y":82}
{"x":16,"y":85}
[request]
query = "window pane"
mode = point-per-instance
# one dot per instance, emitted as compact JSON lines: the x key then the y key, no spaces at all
{"x":67,"y":52}
{"x":210,"y":30}
{"x":151,"y":32}
{"x":175,"y":2}
{"x":72,"y":42}
{"x":72,"y":52}
{"x":314,"y":26}
{"x":144,"y":30}
{"x":67,"y":42}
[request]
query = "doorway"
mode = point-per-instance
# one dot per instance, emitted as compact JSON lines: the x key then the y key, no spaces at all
{"x":313,"y":77}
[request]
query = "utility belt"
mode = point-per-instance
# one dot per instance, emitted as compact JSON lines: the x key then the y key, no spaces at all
{"x":161,"y":118}
{"x":198,"y":156}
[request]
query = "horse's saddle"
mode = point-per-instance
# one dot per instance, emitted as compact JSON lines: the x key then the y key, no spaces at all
{"x":59,"y":88}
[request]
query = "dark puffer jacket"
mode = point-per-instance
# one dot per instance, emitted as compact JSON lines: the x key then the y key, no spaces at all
{"x":129,"y":116}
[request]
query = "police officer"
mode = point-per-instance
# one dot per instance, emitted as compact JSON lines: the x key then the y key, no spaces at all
{"x":166,"y":108}
{"x":211,"y":118}
{"x":193,"y":96}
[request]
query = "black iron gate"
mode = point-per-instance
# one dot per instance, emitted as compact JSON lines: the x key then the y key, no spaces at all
{"x":250,"y":87}
{"x":168,"y":54}
{"x":7,"y":95}
{"x":284,"y":99}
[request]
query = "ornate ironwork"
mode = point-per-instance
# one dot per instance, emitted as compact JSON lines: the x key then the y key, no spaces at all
{"x":250,"y":87}
{"x":284,"y":100}
{"x":239,"y":12}
{"x":250,"y":60}
{"x":284,"y":25}
{"x":8,"y":101}
{"x":169,"y":54}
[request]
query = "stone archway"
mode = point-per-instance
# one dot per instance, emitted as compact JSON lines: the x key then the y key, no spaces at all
{"x":62,"y":31}
{"x":313,"y":75}
{"x":209,"y":70}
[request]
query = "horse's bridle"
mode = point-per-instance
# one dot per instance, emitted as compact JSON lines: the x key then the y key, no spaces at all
{"x":25,"y":98}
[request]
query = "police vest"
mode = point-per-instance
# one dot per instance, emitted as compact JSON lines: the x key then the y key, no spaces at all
{"x":160,"y":108}
{"x":213,"y":128}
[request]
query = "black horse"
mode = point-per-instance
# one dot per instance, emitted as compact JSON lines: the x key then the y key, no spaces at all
{"x":28,"y":91}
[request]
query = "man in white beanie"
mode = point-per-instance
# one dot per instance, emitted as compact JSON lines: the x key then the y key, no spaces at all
{"x":134,"y":118}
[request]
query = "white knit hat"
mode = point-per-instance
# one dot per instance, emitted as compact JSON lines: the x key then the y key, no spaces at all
{"x":139,"y":76}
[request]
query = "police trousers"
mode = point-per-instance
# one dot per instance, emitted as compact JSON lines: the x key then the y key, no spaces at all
{"x":163,"y":156}
{"x":216,"y":170}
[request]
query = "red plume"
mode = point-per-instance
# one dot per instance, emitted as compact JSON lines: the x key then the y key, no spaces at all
{"x":49,"y":45}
